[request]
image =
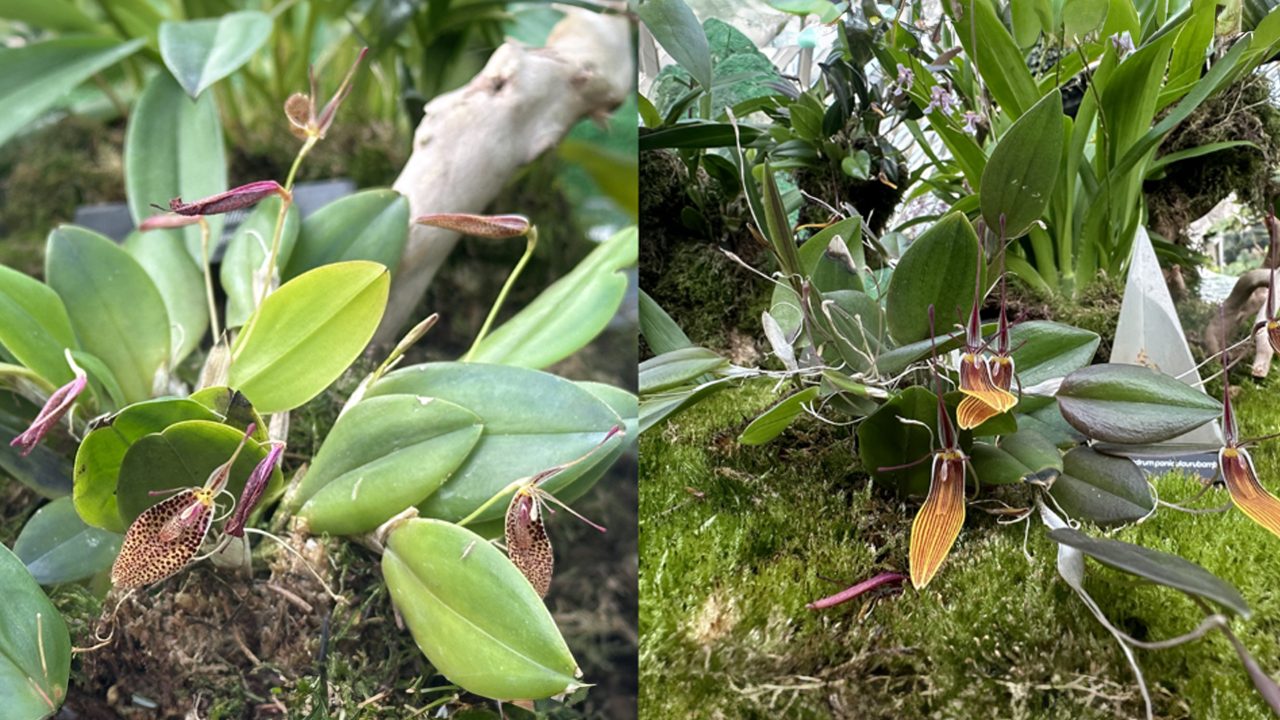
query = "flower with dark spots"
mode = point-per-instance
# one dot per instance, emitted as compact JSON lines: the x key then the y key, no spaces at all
{"x":487,"y":226}
{"x":58,"y":404}
{"x":301,"y":109}
{"x":253,"y":489}
{"x":235,"y":199}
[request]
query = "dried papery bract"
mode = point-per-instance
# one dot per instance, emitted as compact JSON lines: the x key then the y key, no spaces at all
{"x":54,"y":409}
{"x":305,"y":122}
{"x":166,"y":536}
{"x":984,"y":399}
{"x":527,"y":543}
{"x":1236,"y":465}
{"x":938,"y":523}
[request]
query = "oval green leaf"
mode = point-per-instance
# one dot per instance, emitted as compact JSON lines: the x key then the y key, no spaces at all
{"x":1023,"y":168}
{"x":937,"y":270}
{"x":98,"y":460}
{"x":43,"y":470}
{"x":307,"y":333}
{"x":532,"y":421}
{"x":1048,"y":350}
{"x":1159,"y":567}
{"x":677,"y":367}
{"x":114,"y":307}
{"x":1132,"y":404}
{"x":776,"y":419}
{"x":57,"y":546}
{"x":173,"y":148}
{"x":477,"y":619}
{"x":181,"y":284}
{"x":885,"y":441}
{"x":247,"y":253}
{"x":1102,"y":489}
{"x":34,"y":327}
{"x":370,"y":225}
{"x":676,"y":28}
{"x":199,"y":53}
{"x":568,"y":314}
{"x":384,"y":455}
{"x":35,"y":647}
{"x":1023,"y":456}
{"x":34,"y":77}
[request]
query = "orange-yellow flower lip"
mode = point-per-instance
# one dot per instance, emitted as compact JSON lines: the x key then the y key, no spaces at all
{"x":938,"y":523}
{"x":1246,"y":492}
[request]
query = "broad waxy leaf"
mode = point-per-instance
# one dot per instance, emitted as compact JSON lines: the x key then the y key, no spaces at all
{"x":307,"y":333}
{"x":677,"y":367}
{"x":247,"y":252}
{"x":568,"y":314}
{"x":114,"y":307}
{"x":677,"y":30}
{"x":180,"y":282}
{"x":1159,"y":567}
{"x":58,"y":15}
{"x":885,"y":441}
{"x":659,"y":330}
{"x":532,"y":421}
{"x":34,"y":77}
{"x":447,"y":582}
{"x":1023,"y":456}
{"x":937,"y":270}
{"x":232,"y":408}
{"x":35,"y":647}
{"x":370,"y":225}
{"x":183,"y":456}
{"x":849,"y":324}
{"x":698,"y":134}
{"x":1050,"y":350}
{"x":384,"y":455}
{"x":199,"y":53}
{"x":656,"y":408}
{"x":173,"y":148}
{"x":57,"y":546}
{"x":776,"y":419}
{"x":34,"y":327}
{"x":1023,"y":168}
{"x":1102,"y":489}
{"x":1132,"y":404}
{"x":823,"y":271}
{"x":98,"y":460}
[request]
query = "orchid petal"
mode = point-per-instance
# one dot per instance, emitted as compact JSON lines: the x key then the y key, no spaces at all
{"x":939,"y":521}
{"x":1246,"y":492}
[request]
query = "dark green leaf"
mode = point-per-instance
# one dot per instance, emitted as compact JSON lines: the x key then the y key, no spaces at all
{"x":57,"y":546}
{"x":699,"y":134}
{"x":34,"y":327}
{"x":370,"y":225}
{"x":1132,"y":404}
{"x":776,"y":419}
{"x":1023,"y":168}
{"x":1102,"y":489}
{"x":885,"y":441}
{"x":677,"y":30}
{"x":676,"y":368}
{"x":938,"y":270}
{"x":35,"y":647}
{"x":181,"y":285}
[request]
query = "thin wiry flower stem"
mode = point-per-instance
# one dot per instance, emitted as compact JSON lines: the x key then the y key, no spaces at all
{"x":532,"y":236}
{"x":297,"y":161}
{"x":275,"y":240}
{"x":208,"y":279}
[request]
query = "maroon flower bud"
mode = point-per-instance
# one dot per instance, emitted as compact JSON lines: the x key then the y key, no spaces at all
{"x":163,"y":222}
{"x":235,"y":199}
{"x":253,"y":489}
{"x":57,"y":406}
{"x":488,"y":226}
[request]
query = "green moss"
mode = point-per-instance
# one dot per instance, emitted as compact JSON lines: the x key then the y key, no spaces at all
{"x":725,"y":579}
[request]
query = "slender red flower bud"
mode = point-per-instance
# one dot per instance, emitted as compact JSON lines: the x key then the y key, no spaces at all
{"x":58,"y":404}
{"x":235,"y":199}
{"x":253,"y":489}
{"x":488,"y":226}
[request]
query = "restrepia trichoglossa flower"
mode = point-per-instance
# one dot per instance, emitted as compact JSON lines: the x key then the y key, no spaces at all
{"x":938,"y":523}
{"x":57,"y":406}
{"x":986,"y":389}
{"x":166,"y":536}
{"x":1236,"y":466}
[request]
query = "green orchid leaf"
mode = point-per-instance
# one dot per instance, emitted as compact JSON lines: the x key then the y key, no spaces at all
{"x":532,"y":421}
{"x":1102,"y":489}
{"x":184,"y":456}
{"x":247,"y":253}
{"x":699,"y":134}
{"x":199,"y":53}
{"x":1023,"y":168}
{"x":1081,"y":17}
{"x":34,"y":77}
{"x":850,"y":327}
{"x":57,"y":15}
{"x":827,"y":272}
{"x":773,"y":421}
{"x":34,"y":327}
{"x":102,"y":382}
{"x":678,"y":31}
{"x":172,"y":149}
{"x":677,"y":368}
{"x":42,"y":470}
{"x":371,"y":225}
{"x":1159,"y":567}
{"x":1048,"y":421}
{"x":884,"y":441}
{"x":57,"y":546}
{"x":307,"y":333}
{"x":1050,"y":350}
{"x":384,"y":454}
{"x":234,"y":409}
{"x":114,"y":307}
{"x":445,"y":581}
{"x":35,"y":647}
{"x":937,"y":270}
{"x":661,"y":332}
{"x":1132,"y":404}
{"x":97,"y":468}
{"x":656,"y":408}
{"x":568,"y":314}
{"x":181,"y":284}
{"x":1023,"y":456}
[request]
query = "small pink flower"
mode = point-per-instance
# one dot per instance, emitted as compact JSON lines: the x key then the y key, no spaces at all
{"x":253,"y":489}
{"x":903,"y":83}
{"x":942,"y":100}
{"x":971,"y":122}
{"x":57,"y":406}
{"x":1123,"y":43}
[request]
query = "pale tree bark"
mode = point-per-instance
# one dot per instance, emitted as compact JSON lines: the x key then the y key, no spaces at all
{"x":472,"y":139}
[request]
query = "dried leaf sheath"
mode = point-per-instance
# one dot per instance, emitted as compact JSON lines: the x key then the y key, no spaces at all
{"x":1246,"y":492}
{"x":527,"y":543}
{"x":938,"y":523}
{"x":145,"y":558}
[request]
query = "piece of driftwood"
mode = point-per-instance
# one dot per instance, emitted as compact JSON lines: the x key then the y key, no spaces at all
{"x":472,"y":139}
{"x":1247,"y":298}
